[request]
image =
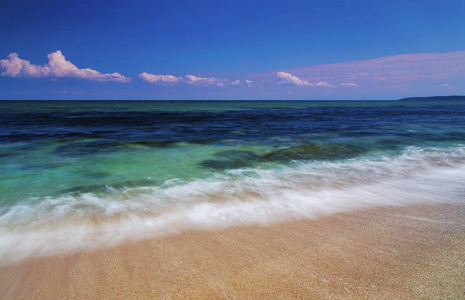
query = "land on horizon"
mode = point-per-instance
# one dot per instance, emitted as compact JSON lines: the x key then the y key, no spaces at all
{"x":435,"y":98}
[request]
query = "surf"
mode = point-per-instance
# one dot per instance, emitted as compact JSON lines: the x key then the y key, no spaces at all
{"x":236,"y":197}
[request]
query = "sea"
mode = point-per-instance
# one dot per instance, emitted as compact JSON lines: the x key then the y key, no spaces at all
{"x":78,"y":175}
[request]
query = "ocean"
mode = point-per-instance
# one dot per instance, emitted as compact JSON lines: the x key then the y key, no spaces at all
{"x":83,"y":174}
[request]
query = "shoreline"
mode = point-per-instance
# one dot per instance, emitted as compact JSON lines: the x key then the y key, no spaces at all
{"x":383,"y":253}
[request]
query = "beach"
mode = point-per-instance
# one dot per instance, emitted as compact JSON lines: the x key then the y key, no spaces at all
{"x":413,"y":252}
{"x":232,"y":150}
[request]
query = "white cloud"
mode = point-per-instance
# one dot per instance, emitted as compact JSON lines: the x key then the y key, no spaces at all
{"x":188,"y":79}
{"x":205,"y":81}
{"x":56,"y":67}
{"x":288,"y":79}
{"x":349,"y":84}
{"x":152,"y":78}
{"x":244,"y":82}
{"x":324,"y":84}
{"x":15,"y":67}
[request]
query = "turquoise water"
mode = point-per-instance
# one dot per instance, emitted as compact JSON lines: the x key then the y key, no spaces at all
{"x":79,"y":174}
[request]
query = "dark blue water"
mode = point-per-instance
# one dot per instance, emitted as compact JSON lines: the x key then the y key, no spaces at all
{"x":212,"y":122}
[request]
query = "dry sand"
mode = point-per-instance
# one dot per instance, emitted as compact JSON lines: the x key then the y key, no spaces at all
{"x":389,"y":253}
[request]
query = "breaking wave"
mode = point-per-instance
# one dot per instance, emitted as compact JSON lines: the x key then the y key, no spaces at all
{"x":240,"y":197}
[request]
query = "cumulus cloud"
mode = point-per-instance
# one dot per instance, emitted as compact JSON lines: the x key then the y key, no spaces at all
{"x":324,"y":84}
{"x":56,"y":67}
{"x":349,"y":84}
{"x":189,"y":79}
{"x":205,"y":81}
{"x":238,"y":82}
{"x":289,"y":79}
{"x":152,"y":78}
{"x":16,"y":67}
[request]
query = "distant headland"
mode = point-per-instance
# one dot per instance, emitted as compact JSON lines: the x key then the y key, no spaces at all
{"x":435,"y":98}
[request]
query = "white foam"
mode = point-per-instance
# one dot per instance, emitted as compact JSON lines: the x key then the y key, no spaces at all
{"x":236,"y":198}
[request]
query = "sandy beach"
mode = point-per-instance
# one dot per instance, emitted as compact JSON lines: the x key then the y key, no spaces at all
{"x":388,"y":253}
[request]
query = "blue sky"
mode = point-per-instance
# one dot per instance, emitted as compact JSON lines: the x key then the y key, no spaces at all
{"x":332,"y":49}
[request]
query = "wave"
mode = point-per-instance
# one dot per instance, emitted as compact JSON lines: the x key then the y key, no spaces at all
{"x":241,"y":197}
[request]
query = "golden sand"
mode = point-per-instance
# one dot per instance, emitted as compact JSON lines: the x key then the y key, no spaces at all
{"x":389,"y":253}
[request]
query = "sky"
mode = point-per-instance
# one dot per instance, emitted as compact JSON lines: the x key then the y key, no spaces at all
{"x":244,"y":50}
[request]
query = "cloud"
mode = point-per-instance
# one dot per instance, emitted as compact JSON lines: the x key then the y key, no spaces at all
{"x":397,"y":69}
{"x":288,"y":79}
{"x":152,"y":78}
{"x":188,"y":79}
{"x":238,"y":82}
{"x":56,"y":67}
{"x":349,"y":84}
{"x":205,"y":81}
{"x":324,"y":84}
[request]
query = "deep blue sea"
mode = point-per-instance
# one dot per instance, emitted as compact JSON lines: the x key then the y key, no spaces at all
{"x":77,"y":174}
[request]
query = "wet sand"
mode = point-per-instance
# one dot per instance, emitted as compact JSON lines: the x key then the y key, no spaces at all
{"x":389,"y":253}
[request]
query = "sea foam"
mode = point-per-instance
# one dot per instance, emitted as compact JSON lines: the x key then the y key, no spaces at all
{"x":241,"y":197}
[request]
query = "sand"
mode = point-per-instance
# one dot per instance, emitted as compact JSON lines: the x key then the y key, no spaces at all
{"x":413,"y":252}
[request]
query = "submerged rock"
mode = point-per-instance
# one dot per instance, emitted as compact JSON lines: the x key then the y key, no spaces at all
{"x":156,"y":144}
{"x":315,"y":152}
{"x":234,"y":159}
{"x":204,"y":141}
{"x":231,"y":159}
